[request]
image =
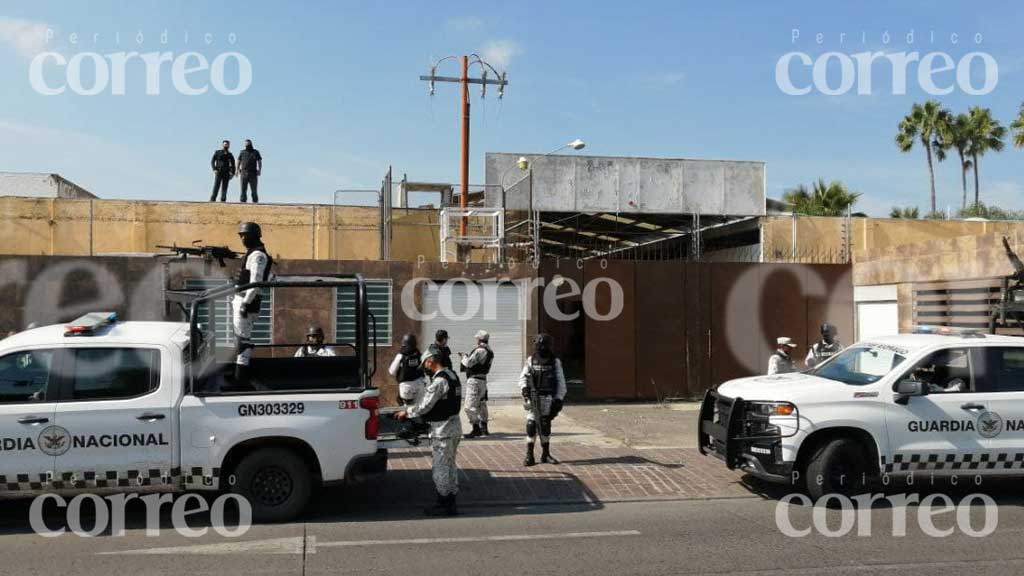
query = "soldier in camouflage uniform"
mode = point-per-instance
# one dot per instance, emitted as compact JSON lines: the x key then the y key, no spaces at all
{"x":439,"y":406}
{"x":476,"y":365}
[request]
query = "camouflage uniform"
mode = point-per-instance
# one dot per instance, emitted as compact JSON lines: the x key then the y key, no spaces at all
{"x":476,"y":386}
{"x":444,"y":434}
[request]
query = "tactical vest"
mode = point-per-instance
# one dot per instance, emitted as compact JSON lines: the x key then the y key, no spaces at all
{"x":481,"y":370}
{"x":785,"y":363}
{"x":244,"y":276}
{"x":545,"y":380}
{"x":824,"y":351}
{"x":409,"y":368}
{"x":451,"y":403}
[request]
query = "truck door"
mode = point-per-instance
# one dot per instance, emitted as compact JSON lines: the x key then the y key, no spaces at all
{"x":938,"y":432}
{"x":1000,"y":375}
{"x":115,"y":404}
{"x":28,"y":441}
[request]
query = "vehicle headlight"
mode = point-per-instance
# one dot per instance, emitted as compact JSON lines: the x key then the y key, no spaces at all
{"x":773,"y":408}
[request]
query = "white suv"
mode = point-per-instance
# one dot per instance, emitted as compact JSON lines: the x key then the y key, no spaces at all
{"x":938,"y":401}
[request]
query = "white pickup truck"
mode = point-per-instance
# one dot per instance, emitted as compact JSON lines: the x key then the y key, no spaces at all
{"x":938,"y":402}
{"x":99,"y":404}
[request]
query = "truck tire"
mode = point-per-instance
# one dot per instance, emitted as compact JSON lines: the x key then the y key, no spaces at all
{"x":276,"y":482}
{"x":841,"y":465}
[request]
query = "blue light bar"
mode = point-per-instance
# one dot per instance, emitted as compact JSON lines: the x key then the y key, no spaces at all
{"x":88,"y":325}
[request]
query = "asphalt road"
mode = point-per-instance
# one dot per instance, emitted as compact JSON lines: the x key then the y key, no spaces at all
{"x":685,"y":537}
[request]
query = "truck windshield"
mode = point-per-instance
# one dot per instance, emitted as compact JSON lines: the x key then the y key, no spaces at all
{"x":859,"y":365}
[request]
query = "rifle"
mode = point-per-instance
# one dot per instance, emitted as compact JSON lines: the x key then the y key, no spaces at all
{"x":207,"y":253}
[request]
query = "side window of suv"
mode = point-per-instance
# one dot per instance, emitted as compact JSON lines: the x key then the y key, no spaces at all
{"x":944,"y":371}
{"x":1000,"y":369}
{"x":24,"y":376}
{"x":114,"y":373}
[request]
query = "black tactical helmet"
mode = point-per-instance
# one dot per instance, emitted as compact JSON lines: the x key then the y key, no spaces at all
{"x":440,"y":335}
{"x":409,"y":341}
{"x":315,"y":330}
{"x":828,"y":329}
{"x":250,"y":229}
{"x":542,"y":342}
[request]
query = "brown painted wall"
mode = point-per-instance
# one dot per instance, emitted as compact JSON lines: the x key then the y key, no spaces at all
{"x":686,"y":327}
{"x":661,"y":330}
{"x":611,"y":344}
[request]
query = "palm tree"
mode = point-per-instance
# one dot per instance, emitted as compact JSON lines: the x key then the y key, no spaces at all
{"x":986,"y":133}
{"x":955,"y":133}
{"x":910,"y":212}
{"x":923,"y":124}
{"x":1018,"y":128}
{"x":831,"y":199}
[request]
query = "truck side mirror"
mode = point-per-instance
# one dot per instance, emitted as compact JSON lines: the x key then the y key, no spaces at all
{"x":907,"y":388}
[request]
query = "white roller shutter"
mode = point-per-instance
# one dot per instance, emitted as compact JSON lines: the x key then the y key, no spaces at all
{"x":877,"y":319}
{"x":877,"y":312}
{"x":497,"y":312}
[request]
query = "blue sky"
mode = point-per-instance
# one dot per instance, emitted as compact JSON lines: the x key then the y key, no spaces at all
{"x":335,"y":97}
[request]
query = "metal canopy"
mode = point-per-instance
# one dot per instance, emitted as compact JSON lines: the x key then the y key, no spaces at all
{"x":629,"y":236}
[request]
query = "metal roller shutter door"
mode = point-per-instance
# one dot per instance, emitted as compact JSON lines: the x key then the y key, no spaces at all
{"x":877,"y":319}
{"x":504,"y":326}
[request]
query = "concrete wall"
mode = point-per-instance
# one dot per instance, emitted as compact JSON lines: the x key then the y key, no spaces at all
{"x":573,"y":183}
{"x":822,"y":239}
{"x":48,"y":226}
{"x":960,"y":258}
{"x":415,"y":234}
{"x":40,"y":185}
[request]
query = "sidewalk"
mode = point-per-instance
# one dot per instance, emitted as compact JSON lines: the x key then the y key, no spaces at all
{"x":595,"y":467}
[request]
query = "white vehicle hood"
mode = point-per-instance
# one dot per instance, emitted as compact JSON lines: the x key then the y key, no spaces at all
{"x":781,"y":387}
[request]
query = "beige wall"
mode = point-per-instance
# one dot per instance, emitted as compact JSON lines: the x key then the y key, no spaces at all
{"x":821,"y":239}
{"x":65,"y":227}
{"x":415,"y":233}
{"x":961,"y":258}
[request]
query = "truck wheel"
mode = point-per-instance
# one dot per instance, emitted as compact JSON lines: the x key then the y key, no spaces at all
{"x":276,"y":482}
{"x":841,"y":466}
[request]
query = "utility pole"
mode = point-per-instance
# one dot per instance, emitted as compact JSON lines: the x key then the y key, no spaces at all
{"x":465,"y":81}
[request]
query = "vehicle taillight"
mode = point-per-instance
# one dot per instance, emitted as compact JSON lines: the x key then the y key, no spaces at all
{"x":373,"y":422}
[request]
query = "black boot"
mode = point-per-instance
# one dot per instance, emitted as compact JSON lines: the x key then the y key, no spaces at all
{"x":440,"y":507}
{"x":483,"y":429}
{"x":241,"y":375}
{"x":476,"y":433}
{"x":529,"y":461}
{"x":545,"y":454}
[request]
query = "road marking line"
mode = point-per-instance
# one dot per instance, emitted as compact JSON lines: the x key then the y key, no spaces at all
{"x":272,"y":546}
{"x":465,"y":539}
{"x":296,"y":545}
